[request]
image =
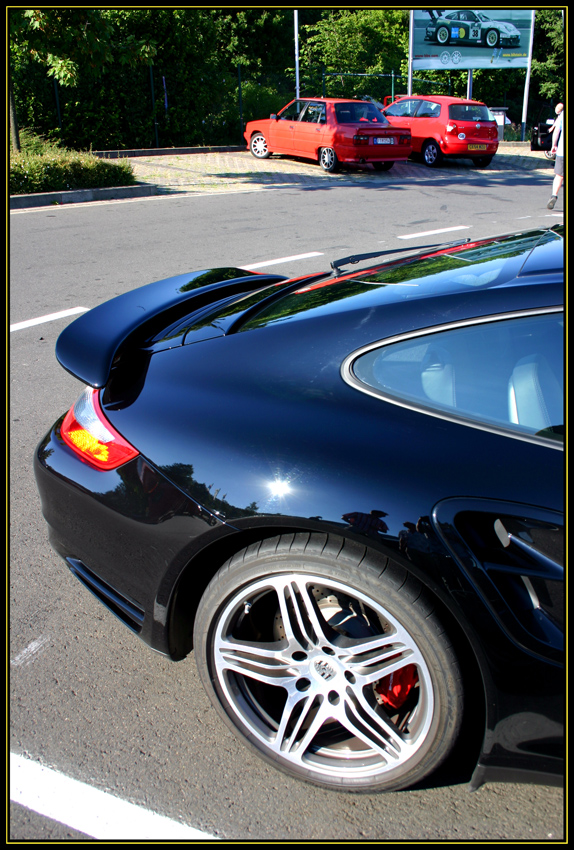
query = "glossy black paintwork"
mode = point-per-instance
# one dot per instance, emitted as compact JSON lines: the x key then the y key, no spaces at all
{"x":247,"y":429}
{"x":82,"y":350}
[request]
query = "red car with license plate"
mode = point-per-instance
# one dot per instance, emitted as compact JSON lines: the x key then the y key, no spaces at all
{"x":331,"y":131}
{"x":447,"y":127}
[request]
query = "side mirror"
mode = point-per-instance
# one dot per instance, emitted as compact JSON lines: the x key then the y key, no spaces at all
{"x":273,"y":117}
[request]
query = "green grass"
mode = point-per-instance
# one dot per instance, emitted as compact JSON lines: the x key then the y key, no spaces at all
{"x":44,"y":166}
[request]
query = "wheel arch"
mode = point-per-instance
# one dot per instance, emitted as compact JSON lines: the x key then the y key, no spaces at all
{"x":194,"y":577}
{"x":437,"y":138}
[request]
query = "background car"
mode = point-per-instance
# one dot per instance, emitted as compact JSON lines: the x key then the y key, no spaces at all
{"x":330,"y":131}
{"x":468,"y":27}
{"x":444,"y":126}
{"x":345,"y":493}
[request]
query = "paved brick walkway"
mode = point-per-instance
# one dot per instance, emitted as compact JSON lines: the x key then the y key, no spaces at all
{"x":240,"y":171}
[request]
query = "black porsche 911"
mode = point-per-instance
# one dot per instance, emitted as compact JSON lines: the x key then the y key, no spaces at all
{"x":344,"y":493}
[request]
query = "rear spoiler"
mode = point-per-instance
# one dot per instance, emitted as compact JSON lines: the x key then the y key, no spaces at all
{"x":88,"y":347}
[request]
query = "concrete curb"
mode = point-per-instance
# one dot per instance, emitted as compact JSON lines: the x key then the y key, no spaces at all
{"x":124,"y":154}
{"x":76,"y":196}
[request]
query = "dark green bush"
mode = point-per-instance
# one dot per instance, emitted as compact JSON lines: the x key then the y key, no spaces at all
{"x":42,"y":166}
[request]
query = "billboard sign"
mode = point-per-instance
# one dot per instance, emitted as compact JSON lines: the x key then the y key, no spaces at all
{"x":470,"y":38}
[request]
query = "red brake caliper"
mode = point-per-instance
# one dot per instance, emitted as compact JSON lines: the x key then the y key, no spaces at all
{"x":394,"y":689}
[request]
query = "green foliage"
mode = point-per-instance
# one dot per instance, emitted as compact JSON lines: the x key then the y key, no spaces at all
{"x":33,"y":143}
{"x":44,"y":166}
{"x":73,"y":41}
{"x":548,"y":61}
{"x":136,"y":78}
{"x":364,"y":40}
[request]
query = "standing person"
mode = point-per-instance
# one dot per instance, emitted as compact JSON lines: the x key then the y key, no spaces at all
{"x":558,"y":149}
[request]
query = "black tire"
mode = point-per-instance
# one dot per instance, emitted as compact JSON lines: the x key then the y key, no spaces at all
{"x":328,"y":160}
{"x":296,"y":639}
{"x":432,"y":154}
{"x":383,"y":166}
{"x":443,"y":35}
{"x":258,"y":146}
{"x":492,"y":38}
{"x":482,"y":161}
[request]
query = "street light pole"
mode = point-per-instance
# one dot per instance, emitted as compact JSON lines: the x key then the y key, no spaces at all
{"x":296,"y":25}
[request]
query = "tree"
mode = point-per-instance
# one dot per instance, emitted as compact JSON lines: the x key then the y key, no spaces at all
{"x":63,"y":40}
{"x":548,"y":61}
{"x":365,"y":41}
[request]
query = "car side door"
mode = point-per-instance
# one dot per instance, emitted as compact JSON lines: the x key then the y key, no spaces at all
{"x":282,"y":127}
{"x":426,"y":123}
{"x":309,"y":130}
{"x":404,"y":112}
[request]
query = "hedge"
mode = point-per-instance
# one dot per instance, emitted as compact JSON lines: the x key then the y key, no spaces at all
{"x":58,"y":171}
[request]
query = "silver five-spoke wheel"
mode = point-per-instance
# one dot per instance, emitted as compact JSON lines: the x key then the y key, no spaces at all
{"x":326,"y":670}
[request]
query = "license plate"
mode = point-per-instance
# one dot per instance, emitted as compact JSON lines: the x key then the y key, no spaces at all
{"x":384,"y":140}
{"x":477,"y":147}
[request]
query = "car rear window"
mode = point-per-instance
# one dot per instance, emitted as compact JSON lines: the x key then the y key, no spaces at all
{"x":505,"y":374}
{"x":353,"y":113}
{"x":469,"y":112}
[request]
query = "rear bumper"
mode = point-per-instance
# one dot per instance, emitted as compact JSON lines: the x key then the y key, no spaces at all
{"x":466,"y":148}
{"x":125,"y":534}
{"x":373,"y":153}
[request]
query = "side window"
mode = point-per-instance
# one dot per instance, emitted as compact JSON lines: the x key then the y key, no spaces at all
{"x":506,"y":374}
{"x":402,"y":108}
{"x":315,"y":113}
{"x":428,"y":109}
{"x":292,"y":112}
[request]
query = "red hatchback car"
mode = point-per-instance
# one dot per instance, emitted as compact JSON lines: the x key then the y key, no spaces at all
{"x":331,"y":131}
{"x":447,"y":127}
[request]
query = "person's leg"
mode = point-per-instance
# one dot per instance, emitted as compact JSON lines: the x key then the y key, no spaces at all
{"x":557,"y":182}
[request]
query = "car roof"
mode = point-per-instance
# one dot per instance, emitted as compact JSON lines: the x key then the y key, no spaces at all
{"x":439,"y":98}
{"x":489,"y":276}
{"x":332,"y":99}
{"x":485,"y":276}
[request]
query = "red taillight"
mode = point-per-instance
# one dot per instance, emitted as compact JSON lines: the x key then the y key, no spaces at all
{"x":404,"y":140}
{"x":360,"y":140}
{"x":451,"y":128}
{"x":88,"y":433}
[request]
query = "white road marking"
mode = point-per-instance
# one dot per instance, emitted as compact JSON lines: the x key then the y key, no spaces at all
{"x":434,"y":232}
{"x":282,"y":260}
{"x":27,"y":654}
{"x":95,"y":813}
{"x":51,"y":317}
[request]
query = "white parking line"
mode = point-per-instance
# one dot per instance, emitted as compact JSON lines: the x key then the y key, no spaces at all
{"x":434,"y":232}
{"x":95,"y":813}
{"x":30,"y":652}
{"x":51,"y":317}
{"x":282,"y":260}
